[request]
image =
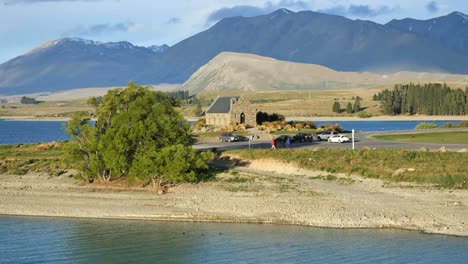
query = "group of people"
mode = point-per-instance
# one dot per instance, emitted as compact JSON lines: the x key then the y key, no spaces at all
{"x":287,"y":143}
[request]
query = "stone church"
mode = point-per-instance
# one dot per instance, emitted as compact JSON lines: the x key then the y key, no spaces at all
{"x":225,"y":110}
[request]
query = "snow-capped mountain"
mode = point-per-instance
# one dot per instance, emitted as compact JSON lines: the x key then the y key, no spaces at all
{"x":75,"y":63}
{"x":159,"y":49}
{"x":336,"y":42}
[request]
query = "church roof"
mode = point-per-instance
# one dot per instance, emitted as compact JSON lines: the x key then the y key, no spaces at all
{"x":221,"y":105}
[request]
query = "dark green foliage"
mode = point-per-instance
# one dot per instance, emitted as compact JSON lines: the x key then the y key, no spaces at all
{"x":138,"y":135}
{"x":265,"y":117}
{"x":182,"y":95}
{"x":427,"y":99}
{"x":28,"y":100}
{"x":357,"y":104}
{"x":336,"y":107}
{"x":426,"y":126}
{"x":349,"y":108}
{"x":363,"y":114}
{"x":198,"y":110}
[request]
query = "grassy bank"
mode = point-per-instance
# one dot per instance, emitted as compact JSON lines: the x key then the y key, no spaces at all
{"x":20,"y":159}
{"x":452,"y":137}
{"x":447,"y":170}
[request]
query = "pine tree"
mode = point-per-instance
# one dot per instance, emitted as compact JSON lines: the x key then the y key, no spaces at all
{"x":198,"y":110}
{"x":349,"y":108}
{"x":336,"y":107}
{"x":357,"y":104}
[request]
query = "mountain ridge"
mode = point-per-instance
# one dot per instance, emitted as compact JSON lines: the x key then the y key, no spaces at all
{"x":308,"y":37}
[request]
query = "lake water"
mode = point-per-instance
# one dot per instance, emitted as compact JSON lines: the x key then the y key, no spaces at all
{"x":14,"y":132}
{"x":382,"y":125}
{"x":52,"y":240}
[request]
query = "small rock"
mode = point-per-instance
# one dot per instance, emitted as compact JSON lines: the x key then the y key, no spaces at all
{"x":424,"y":149}
{"x":442,"y":149}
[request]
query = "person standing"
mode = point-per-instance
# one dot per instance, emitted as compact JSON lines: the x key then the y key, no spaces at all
{"x":288,"y":143}
{"x":273,"y":144}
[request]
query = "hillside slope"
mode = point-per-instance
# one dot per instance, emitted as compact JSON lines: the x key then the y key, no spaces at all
{"x":248,"y":72}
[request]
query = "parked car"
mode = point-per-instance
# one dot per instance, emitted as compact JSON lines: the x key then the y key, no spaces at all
{"x":228,"y":137}
{"x":338,"y":139}
{"x":302,"y":137}
{"x":326,"y":134}
{"x":282,"y":140}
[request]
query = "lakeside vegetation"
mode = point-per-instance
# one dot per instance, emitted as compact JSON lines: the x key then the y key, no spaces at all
{"x":446,"y":170}
{"x":452,"y":137}
{"x":440,"y":169}
{"x":138,"y":136}
{"x":19,"y":159}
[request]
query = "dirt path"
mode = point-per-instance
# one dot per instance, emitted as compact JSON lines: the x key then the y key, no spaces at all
{"x":251,"y":193}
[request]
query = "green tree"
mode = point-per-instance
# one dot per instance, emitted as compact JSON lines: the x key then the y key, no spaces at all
{"x":138,"y":135}
{"x":357,"y":104}
{"x":349,"y":108}
{"x":198,"y":110}
{"x":28,"y":100}
{"x":336,"y":107}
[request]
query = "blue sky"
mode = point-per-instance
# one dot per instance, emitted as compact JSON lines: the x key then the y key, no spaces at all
{"x":25,"y":24}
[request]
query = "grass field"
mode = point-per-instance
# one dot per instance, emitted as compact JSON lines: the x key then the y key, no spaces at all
{"x":302,"y":103}
{"x":288,"y":103}
{"x":447,"y":170}
{"x":19,"y":159}
{"x":453,"y":137}
{"x":45,"y":109}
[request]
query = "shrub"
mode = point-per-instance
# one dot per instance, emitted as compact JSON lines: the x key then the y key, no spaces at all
{"x":463,"y":124}
{"x":449,"y":125}
{"x":310,"y":124}
{"x":331,"y":127}
{"x":200,"y":123}
{"x":426,"y":126}
{"x":363,"y":114}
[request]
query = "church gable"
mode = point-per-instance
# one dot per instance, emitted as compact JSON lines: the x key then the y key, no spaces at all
{"x":225,"y":110}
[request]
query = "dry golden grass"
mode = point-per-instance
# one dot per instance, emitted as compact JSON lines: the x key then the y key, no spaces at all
{"x":45,"y":109}
{"x":301,"y":103}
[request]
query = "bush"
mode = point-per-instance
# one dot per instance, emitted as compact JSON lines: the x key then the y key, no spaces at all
{"x":263,"y":117}
{"x":28,"y":100}
{"x":463,"y":124}
{"x":449,"y":125}
{"x":363,"y":114}
{"x":200,"y":123}
{"x":331,"y":127}
{"x":426,"y":126}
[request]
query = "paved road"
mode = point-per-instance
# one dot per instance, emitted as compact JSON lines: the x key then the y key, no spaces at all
{"x":363,"y":140}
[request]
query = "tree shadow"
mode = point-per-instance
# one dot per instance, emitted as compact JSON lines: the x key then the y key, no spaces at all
{"x":221,"y":164}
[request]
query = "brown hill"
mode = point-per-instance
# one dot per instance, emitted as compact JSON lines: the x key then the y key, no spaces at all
{"x":247,"y":72}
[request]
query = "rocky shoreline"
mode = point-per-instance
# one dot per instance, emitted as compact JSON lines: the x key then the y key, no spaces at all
{"x":280,"y":194}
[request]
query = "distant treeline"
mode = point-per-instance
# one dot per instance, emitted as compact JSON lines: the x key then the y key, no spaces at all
{"x":427,"y":99}
{"x":182,"y":95}
{"x":28,"y":100}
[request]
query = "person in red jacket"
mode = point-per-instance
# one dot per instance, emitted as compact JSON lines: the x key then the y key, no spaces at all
{"x":273,"y":144}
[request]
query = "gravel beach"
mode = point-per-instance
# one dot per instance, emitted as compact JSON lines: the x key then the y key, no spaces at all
{"x":264,"y":191}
